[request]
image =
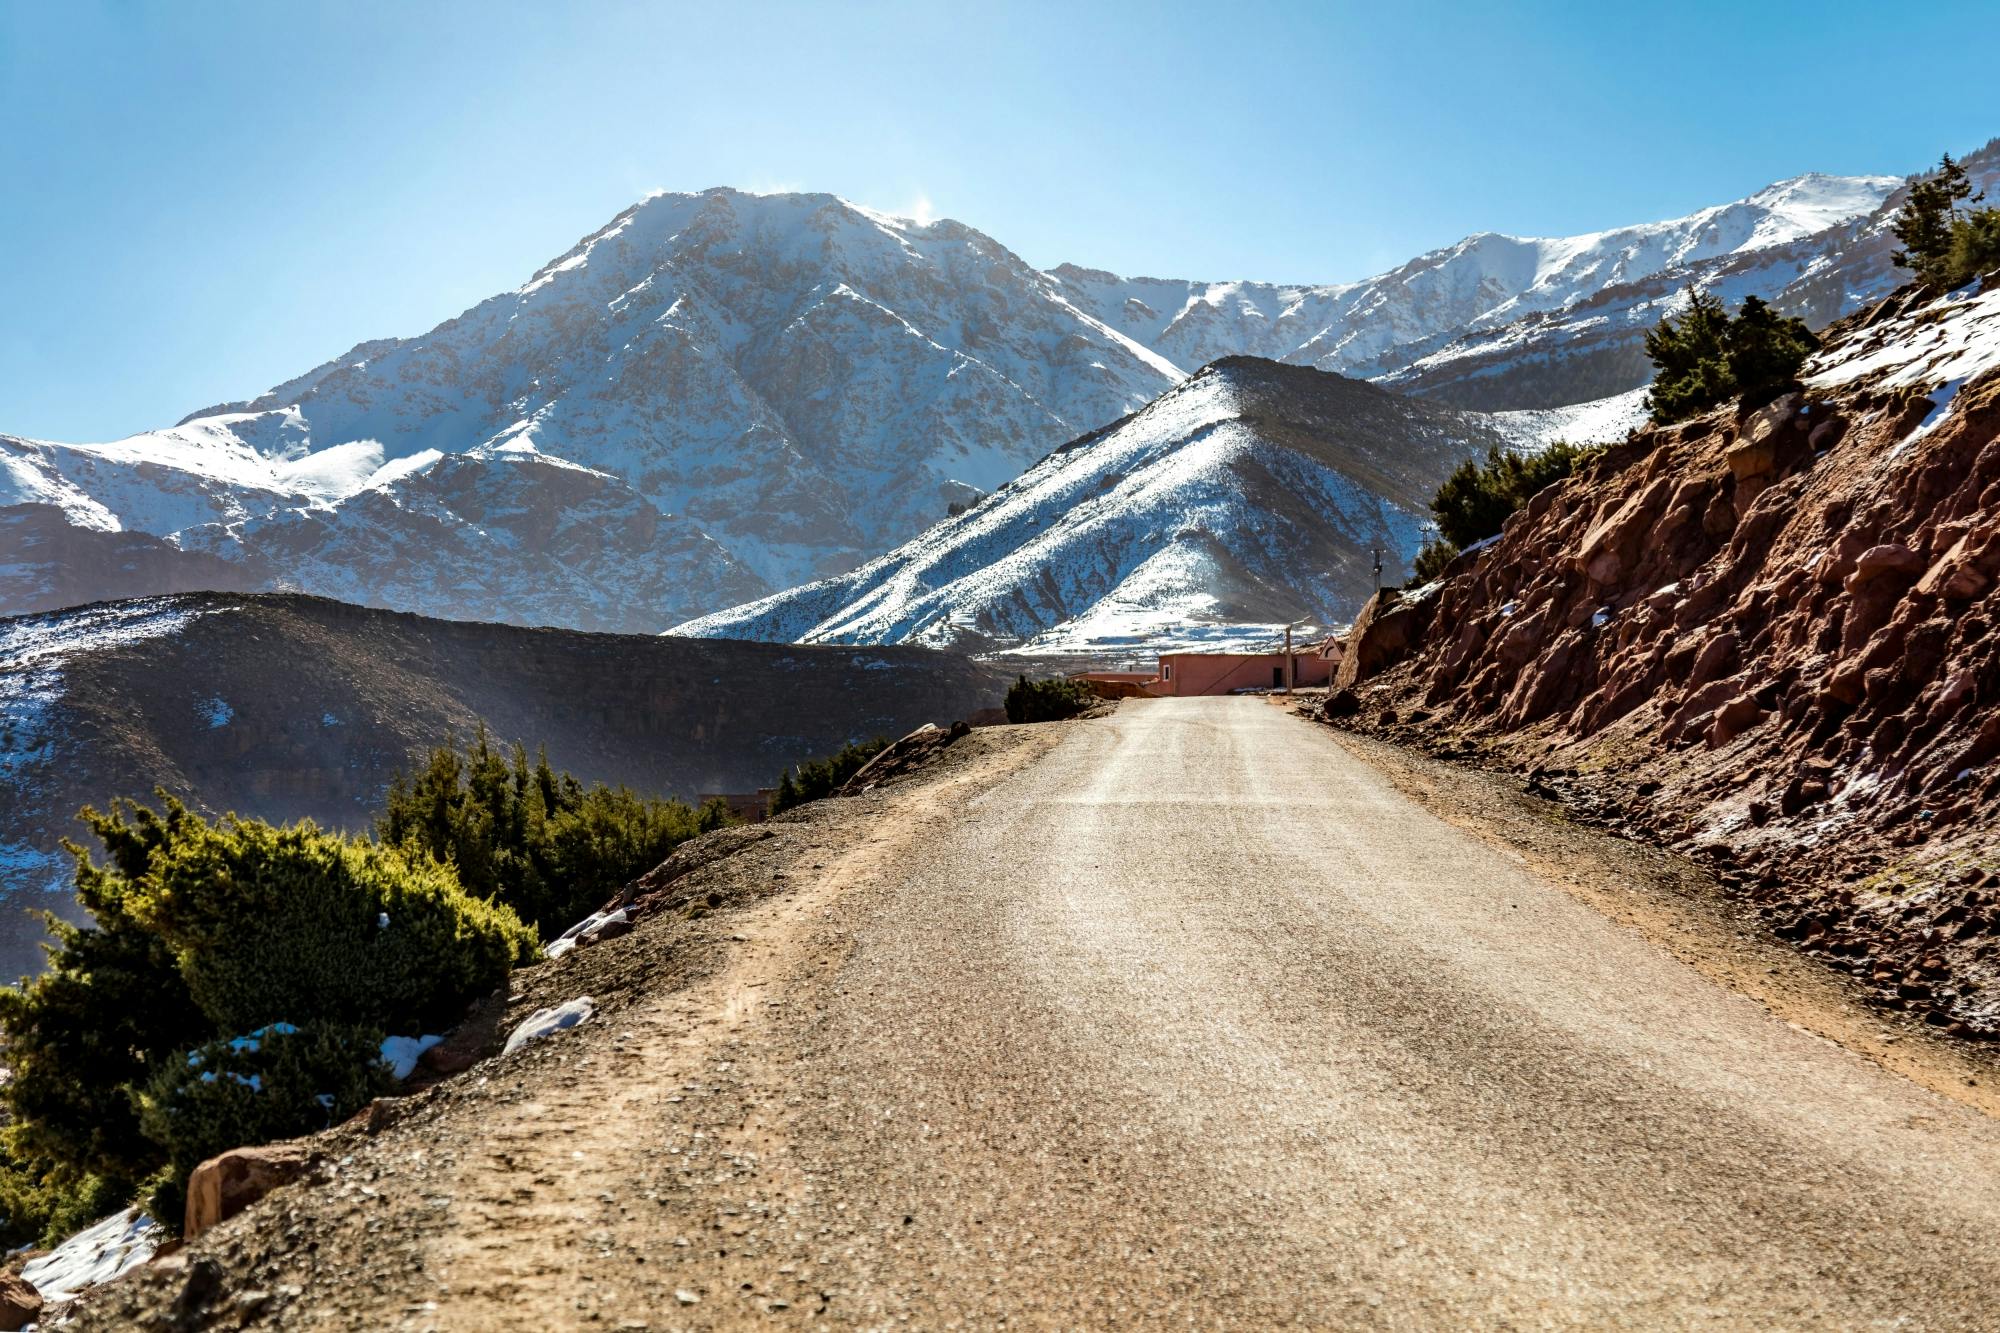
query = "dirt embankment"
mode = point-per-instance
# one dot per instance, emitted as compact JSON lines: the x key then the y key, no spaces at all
{"x":1770,"y":638}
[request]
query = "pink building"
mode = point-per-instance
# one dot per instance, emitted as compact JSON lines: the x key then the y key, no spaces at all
{"x":1182,"y":674}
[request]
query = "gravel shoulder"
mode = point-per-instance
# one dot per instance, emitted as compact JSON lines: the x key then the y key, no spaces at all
{"x":1192,"y":1014}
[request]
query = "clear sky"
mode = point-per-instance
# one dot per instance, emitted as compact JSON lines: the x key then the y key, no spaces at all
{"x":199,"y":199}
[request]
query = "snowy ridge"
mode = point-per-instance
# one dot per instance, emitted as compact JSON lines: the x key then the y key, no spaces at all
{"x":1483,"y":282}
{"x":1252,"y":492}
{"x":763,"y":388}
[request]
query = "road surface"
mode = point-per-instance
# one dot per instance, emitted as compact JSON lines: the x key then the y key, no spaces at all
{"x":1186,"y":1018}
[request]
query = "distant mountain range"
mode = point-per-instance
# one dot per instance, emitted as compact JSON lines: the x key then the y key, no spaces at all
{"x":720,"y":395}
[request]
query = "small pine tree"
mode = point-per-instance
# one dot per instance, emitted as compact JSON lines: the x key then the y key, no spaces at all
{"x":1766,"y":349}
{"x":787,"y":794}
{"x":1926,"y":223}
{"x":1691,"y":360}
{"x":1477,"y":497}
{"x":1703,"y":357}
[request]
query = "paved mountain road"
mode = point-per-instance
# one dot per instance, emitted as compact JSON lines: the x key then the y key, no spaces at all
{"x":1180,"y":1017}
{"x":1196,"y":1020}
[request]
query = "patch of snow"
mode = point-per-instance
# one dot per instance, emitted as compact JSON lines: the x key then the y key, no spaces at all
{"x":1603,"y":421}
{"x":546,"y":1022}
{"x":97,"y":1254}
{"x":402,"y":1053}
{"x":216,"y":712}
{"x":563,"y":943}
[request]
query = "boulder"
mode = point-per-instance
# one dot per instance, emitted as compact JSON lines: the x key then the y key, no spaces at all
{"x":20,"y":1303}
{"x":907,"y":755}
{"x":1888,"y":558}
{"x":226,"y":1184}
{"x":1733,"y":719}
{"x":1750,"y":460}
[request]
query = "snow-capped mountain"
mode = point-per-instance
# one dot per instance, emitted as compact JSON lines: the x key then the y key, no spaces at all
{"x":722,"y":394}
{"x":1384,"y":325}
{"x":1595,"y":346}
{"x":733,"y":392}
{"x":1250,"y":494}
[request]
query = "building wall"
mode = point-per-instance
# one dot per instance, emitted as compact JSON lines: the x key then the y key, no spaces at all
{"x":1219,"y":673}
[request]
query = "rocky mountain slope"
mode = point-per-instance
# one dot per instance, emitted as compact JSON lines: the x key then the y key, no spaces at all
{"x":1768,"y":637}
{"x":1244,"y":498}
{"x":721,"y":394}
{"x":293,"y":707}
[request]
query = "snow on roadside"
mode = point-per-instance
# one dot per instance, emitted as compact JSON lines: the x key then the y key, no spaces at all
{"x":102,"y":1251}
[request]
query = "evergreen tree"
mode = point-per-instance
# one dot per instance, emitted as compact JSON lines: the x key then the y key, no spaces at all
{"x":1927,"y":221}
{"x":1477,"y":497}
{"x":1703,"y":357}
{"x":1765,"y":348}
{"x":1691,"y":360}
{"x":530,"y":837}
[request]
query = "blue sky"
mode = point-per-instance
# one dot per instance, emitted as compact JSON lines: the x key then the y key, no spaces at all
{"x":200,"y":199}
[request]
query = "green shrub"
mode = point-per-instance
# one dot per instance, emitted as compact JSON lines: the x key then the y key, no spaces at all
{"x":824,"y":777}
{"x":1945,"y":243}
{"x":1047,"y":700}
{"x":271,"y":924}
{"x":110,"y":1006}
{"x":1477,"y":497}
{"x":204,"y":931}
{"x":43,"y":1202}
{"x":1975,"y":247}
{"x":275,"y":1082}
{"x":530,"y":837}
{"x":1702,"y":357}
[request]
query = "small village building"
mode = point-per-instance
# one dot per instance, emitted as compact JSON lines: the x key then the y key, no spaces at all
{"x":1184,"y":674}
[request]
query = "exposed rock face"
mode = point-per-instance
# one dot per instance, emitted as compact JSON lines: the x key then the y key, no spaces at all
{"x":225,"y":1185}
{"x":1781,"y":626}
{"x":20,"y":1303}
{"x":1389,"y":626}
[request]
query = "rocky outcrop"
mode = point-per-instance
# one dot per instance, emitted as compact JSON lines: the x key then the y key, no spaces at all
{"x":20,"y":1303}
{"x":225,"y":1185}
{"x":1769,"y":636}
{"x":1389,"y":627}
{"x":907,"y":755}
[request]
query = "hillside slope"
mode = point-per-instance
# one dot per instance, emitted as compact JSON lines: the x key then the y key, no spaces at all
{"x":293,"y":707}
{"x":1769,"y":638}
{"x":1252,"y":492}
